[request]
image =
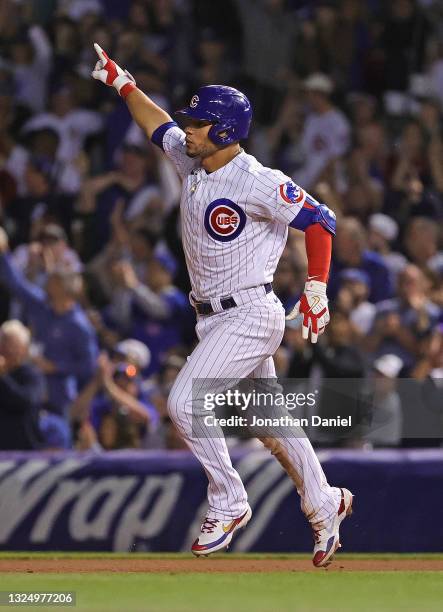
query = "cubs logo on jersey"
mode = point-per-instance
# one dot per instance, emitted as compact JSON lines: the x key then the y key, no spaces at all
{"x":291,"y":193}
{"x":224,"y":220}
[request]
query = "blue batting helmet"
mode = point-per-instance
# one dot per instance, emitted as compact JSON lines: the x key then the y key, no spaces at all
{"x":228,"y":109}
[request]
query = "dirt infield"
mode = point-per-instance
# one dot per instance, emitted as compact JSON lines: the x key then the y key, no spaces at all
{"x":214,"y":565}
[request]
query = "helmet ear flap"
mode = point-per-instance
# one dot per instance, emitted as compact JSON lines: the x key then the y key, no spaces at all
{"x":220,"y":134}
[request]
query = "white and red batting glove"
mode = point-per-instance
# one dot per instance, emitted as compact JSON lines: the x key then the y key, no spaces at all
{"x":110,"y":73}
{"x":313,"y":306}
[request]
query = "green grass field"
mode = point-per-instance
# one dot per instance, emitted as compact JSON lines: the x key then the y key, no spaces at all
{"x":354,"y":591}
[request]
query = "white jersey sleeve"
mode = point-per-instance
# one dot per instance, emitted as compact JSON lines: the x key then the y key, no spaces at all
{"x":275,"y":197}
{"x":171,"y":139}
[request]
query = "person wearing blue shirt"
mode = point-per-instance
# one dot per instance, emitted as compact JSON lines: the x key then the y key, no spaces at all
{"x":402,"y":323}
{"x":350,"y":252}
{"x":60,"y":326}
{"x":159,"y":312}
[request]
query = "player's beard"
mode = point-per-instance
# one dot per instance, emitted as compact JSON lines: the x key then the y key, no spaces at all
{"x":203,"y":151}
{"x":192,"y":155}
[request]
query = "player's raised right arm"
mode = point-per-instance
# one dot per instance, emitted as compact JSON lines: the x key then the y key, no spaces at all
{"x":144,"y":111}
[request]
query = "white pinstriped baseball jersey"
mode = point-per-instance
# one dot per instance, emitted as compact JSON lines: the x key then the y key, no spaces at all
{"x":234,"y":228}
{"x":234,"y":220}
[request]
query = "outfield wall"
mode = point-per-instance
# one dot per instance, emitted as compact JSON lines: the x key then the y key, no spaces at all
{"x":155,"y":501}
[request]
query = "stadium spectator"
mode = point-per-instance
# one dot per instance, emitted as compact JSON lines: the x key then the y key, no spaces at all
{"x":422,"y":244}
{"x":73,"y":125}
{"x":372,"y":141}
{"x":343,"y":369}
{"x":385,"y":427}
{"x":66,"y":338}
{"x":362,"y":108}
{"x":287,"y":281}
{"x":314,"y":37}
{"x":382,"y":233}
{"x":39,"y":204}
{"x":364,"y":193}
{"x":352,"y":300}
{"x":337,"y":354}
{"x":401,"y":322}
{"x":403,"y":42}
{"x":137,"y":246}
{"x":266,"y":65}
{"x":300,"y":354}
{"x":37,"y":259}
{"x":279,"y":143}
{"x":326,"y":132}
{"x":350,"y":251}
{"x":213,"y":64}
{"x":430,"y":363}
{"x":31,"y":57}
{"x":13,"y":156}
{"x":130,"y":186}
{"x":43,"y":144}
{"x":21,"y":390}
{"x":49,"y":250}
{"x":411,"y":191}
{"x":422,"y":397}
{"x":435,"y":71}
{"x":112,"y":402}
{"x":133,"y":352}
{"x":66,"y":44}
{"x":156,"y":310}
{"x":77,"y":9}
{"x":165,"y":434}
{"x":165,"y":378}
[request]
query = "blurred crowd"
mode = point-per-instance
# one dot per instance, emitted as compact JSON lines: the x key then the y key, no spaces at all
{"x":348,"y":101}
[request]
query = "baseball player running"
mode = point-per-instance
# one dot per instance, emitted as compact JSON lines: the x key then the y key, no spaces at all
{"x":235,"y":216}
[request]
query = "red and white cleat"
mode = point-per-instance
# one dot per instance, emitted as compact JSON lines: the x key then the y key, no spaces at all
{"x":326,"y":533}
{"x":217,"y":534}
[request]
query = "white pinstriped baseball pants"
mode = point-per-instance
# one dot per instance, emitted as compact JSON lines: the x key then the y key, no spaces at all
{"x":235,"y":344}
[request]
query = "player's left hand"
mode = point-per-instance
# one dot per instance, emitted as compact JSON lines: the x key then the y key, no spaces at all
{"x":313,"y":306}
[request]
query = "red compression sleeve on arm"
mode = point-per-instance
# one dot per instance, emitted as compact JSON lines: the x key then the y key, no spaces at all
{"x":318,"y":243}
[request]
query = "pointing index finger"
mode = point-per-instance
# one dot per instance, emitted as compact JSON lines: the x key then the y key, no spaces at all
{"x":102,"y":55}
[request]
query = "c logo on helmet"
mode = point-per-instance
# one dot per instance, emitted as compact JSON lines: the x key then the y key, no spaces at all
{"x":194,"y":101}
{"x":224,"y":220}
{"x":291,"y":193}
